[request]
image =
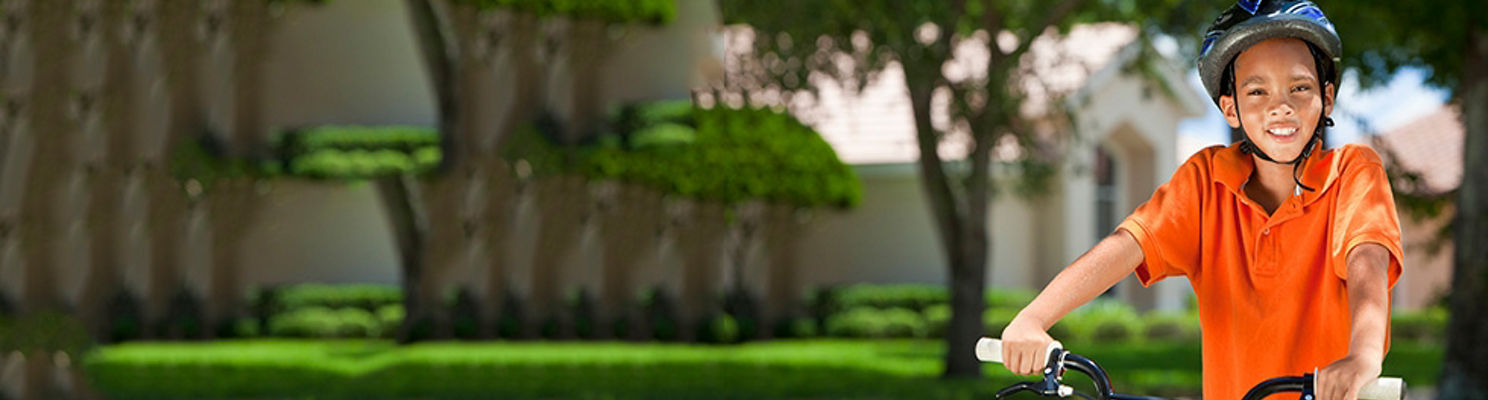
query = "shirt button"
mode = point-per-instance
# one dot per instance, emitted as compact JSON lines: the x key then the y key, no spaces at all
{"x":1266,"y":231}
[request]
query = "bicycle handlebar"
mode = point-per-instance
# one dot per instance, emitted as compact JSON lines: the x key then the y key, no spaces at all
{"x":990,"y":350}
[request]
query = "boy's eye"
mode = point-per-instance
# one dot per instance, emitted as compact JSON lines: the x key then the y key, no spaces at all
{"x":1256,"y":92}
{"x":1301,"y":88}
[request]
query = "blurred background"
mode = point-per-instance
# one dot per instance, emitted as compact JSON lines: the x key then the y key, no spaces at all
{"x":439,"y":199}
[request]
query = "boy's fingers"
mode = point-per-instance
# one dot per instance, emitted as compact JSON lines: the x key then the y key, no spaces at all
{"x":1018,"y":362}
{"x":1352,"y":393}
{"x":1037,"y":362}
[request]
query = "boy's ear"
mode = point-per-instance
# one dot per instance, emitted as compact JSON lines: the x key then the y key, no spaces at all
{"x":1227,"y":106}
{"x":1328,"y":97}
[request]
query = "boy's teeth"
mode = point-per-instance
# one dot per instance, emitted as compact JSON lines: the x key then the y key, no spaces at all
{"x":1282,"y":131}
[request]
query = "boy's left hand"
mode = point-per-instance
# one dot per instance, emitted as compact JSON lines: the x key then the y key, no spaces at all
{"x":1342,"y":379}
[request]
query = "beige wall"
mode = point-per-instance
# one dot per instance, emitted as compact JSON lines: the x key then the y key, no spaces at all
{"x":1426,"y":276}
{"x":346,"y":62}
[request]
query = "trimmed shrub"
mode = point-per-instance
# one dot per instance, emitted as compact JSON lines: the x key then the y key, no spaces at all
{"x":183,"y":316}
{"x":509,"y":320}
{"x":720,"y":329}
{"x":1104,"y":321}
{"x":124,"y":321}
{"x":908,"y":296}
{"x":1168,"y":327}
{"x":1009,"y":298}
{"x":368,"y":297}
{"x":995,"y":320}
{"x":581,"y":306}
{"x":744,"y":308}
{"x":321,"y":322}
{"x":661,"y":314}
{"x":797,"y":328}
{"x":465,"y":314}
{"x":867,"y":322}
{"x":937,"y":318}
{"x":389,"y":318}
{"x":1424,"y":326}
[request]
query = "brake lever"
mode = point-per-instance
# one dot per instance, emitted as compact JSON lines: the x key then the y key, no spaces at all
{"x":1053,"y":373}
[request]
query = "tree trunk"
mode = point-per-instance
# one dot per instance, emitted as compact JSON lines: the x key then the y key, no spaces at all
{"x":961,"y":221}
{"x":405,"y":214}
{"x":39,"y":376}
{"x":447,"y":55}
{"x":629,"y":224}
{"x":232,"y":206}
{"x":699,"y":239}
{"x":783,"y":291}
{"x":176,"y":31}
{"x":54,"y":135}
{"x":582,"y":51}
{"x":562,"y":203}
{"x":444,"y":245}
{"x":500,"y":212}
{"x":516,"y":59}
{"x":110,"y":173}
{"x":1465,"y":366}
{"x":438,"y":57}
{"x":250,"y":29}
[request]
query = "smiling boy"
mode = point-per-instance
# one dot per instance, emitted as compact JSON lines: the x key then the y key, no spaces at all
{"x":1291,"y":248}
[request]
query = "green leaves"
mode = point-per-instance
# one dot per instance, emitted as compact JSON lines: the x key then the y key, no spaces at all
{"x":352,"y":152}
{"x":619,"y":11}
{"x":718,"y":154}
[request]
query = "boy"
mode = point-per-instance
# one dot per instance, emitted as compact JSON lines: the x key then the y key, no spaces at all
{"x":1291,"y":249}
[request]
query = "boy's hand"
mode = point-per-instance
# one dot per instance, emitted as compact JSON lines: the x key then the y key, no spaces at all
{"x":1023,"y":345}
{"x":1342,"y":379}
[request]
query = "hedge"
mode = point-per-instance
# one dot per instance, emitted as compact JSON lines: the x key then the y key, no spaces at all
{"x":356,"y":152}
{"x":370,"y":297}
{"x":881,"y":369}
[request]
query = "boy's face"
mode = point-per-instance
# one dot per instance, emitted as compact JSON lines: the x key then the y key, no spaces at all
{"x":1279,"y":97}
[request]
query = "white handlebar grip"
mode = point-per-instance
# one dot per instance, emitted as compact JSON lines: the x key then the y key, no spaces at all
{"x":1384,"y":389}
{"x":989,"y":350}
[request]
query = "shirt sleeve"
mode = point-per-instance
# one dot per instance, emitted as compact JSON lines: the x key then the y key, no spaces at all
{"x":1365,"y":213}
{"x":1167,"y":226}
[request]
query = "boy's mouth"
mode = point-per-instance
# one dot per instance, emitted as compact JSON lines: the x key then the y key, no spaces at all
{"x":1282,"y":134}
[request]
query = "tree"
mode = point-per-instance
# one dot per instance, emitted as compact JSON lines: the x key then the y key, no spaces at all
{"x":1450,"y":38}
{"x":459,"y":41}
{"x":799,"y":39}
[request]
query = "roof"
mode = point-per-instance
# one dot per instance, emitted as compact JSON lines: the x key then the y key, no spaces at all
{"x":876,"y":125}
{"x":1431,"y":145}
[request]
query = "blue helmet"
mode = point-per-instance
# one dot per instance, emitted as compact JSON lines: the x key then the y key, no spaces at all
{"x":1251,"y":21}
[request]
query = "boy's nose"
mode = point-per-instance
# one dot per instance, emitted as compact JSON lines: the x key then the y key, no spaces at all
{"x":1281,"y":108}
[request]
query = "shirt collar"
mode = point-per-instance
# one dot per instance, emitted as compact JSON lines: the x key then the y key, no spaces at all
{"x":1233,"y":167}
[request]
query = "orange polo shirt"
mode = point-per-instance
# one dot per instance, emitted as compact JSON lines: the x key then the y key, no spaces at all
{"x":1271,"y":288}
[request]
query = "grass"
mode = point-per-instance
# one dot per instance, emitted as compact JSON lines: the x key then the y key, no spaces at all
{"x":805,"y":369}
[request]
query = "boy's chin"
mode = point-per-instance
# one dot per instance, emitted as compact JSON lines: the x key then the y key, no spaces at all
{"x":1282,"y":153}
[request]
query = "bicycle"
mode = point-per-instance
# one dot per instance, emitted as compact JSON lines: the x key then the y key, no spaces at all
{"x":1060,"y":360}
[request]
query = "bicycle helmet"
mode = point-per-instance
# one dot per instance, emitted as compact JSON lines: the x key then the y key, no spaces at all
{"x":1252,"y":21}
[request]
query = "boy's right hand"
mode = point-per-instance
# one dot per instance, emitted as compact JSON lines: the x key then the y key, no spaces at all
{"x":1024,"y":344}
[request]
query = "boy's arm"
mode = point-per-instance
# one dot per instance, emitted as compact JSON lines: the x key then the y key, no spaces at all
{"x":1026,"y":337}
{"x":1369,"y":305}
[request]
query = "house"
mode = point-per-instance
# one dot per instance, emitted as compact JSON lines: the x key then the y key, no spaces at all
{"x":1431,"y":146}
{"x":1120,"y":147}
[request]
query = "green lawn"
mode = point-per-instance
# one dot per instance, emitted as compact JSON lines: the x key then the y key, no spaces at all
{"x":815,"y":369}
